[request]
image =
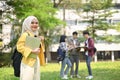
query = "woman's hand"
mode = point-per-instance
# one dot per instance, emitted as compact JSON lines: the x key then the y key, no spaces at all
{"x":36,"y":51}
{"x":42,"y":38}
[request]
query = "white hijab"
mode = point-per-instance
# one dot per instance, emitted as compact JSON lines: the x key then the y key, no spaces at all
{"x":26,"y":26}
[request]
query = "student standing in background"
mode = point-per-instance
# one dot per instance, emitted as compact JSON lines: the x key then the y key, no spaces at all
{"x":66,"y":61}
{"x":74,"y":55}
{"x":89,"y":52}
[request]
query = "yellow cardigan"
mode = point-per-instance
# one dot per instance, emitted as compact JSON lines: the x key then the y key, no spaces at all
{"x":41,"y":55}
{"x":27,"y":51}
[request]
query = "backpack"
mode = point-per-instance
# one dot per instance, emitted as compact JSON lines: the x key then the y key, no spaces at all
{"x":95,"y":49}
{"x":16,"y":57}
{"x":61,"y":54}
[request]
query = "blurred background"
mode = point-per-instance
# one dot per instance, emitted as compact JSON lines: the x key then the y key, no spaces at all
{"x":58,"y":17}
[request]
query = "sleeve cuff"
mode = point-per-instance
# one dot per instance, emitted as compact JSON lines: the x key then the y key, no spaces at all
{"x":27,"y":52}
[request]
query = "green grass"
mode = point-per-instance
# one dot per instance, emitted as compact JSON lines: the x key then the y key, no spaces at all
{"x":101,"y":71}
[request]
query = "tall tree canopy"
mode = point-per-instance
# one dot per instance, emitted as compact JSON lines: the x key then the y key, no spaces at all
{"x":97,"y":14}
{"x":43,"y":10}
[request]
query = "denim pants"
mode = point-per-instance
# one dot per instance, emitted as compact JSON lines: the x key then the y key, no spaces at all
{"x":74,"y":59}
{"x":88,"y":63}
{"x":65,"y":62}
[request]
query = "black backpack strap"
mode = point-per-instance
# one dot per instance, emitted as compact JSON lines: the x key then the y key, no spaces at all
{"x":29,"y":34}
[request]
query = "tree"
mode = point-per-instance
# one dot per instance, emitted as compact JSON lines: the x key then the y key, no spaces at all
{"x":117,"y":27}
{"x":43,"y":10}
{"x":56,"y":3}
{"x":99,"y":10}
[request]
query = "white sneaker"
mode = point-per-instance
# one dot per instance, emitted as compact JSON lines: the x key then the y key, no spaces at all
{"x":71,"y":76}
{"x":78,"y":76}
{"x":65,"y":77}
{"x":89,"y":77}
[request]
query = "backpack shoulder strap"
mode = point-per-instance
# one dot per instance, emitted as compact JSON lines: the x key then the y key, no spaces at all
{"x":28,"y":33}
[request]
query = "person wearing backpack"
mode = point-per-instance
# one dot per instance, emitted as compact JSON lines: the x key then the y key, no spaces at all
{"x":29,"y":67}
{"x":89,"y":52}
{"x":66,"y":61}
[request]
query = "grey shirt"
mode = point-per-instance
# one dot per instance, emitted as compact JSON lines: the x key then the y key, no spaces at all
{"x":74,"y":42}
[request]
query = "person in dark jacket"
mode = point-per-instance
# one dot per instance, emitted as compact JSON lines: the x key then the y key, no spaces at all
{"x":89,"y":52}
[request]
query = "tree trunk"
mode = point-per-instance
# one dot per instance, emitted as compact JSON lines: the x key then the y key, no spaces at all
{"x":47,"y":53}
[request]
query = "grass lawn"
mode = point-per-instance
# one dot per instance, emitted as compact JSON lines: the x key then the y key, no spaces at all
{"x":101,"y":71}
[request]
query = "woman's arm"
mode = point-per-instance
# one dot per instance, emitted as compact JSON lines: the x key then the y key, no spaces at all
{"x":25,"y":51}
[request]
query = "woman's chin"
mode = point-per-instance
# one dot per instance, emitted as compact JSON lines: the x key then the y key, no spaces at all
{"x":34,"y":30}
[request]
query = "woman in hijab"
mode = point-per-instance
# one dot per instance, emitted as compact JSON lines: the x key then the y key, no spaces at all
{"x":30,"y":67}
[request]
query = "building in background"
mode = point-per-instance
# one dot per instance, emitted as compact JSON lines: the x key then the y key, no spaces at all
{"x":76,"y":23}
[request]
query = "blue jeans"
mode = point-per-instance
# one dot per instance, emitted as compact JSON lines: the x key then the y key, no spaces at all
{"x":88,"y":62}
{"x":64,"y":71}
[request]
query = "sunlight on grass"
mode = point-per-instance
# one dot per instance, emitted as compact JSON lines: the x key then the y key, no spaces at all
{"x":101,"y":71}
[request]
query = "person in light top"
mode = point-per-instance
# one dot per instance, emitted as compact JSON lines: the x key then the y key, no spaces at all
{"x":66,"y":61}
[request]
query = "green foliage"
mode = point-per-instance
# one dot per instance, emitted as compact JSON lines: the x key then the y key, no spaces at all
{"x":101,"y":25}
{"x":109,"y":38}
{"x":117,"y":26}
{"x":100,"y":4}
{"x":94,"y":5}
{"x":112,"y":38}
{"x":101,"y":8}
{"x":68,"y":4}
{"x":42,"y":9}
{"x":5,"y":59}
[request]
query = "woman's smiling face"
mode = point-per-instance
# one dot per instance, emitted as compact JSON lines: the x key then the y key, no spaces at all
{"x":34,"y":25}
